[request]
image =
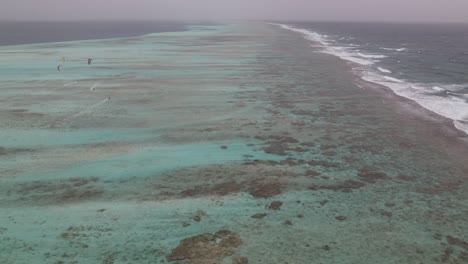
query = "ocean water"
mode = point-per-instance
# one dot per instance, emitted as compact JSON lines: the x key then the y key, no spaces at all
{"x":221,"y":143}
{"x":426,"y":63}
{"x":28,"y":32}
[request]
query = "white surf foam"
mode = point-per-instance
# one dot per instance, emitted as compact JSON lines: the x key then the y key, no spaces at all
{"x":391,"y":79}
{"x":370,"y":56}
{"x":348,"y":56}
{"x":384,"y":70}
{"x":454,"y":87}
{"x":313,"y":36}
{"x":456,"y":110}
{"x":463,"y":126}
{"x":344,"y":53}
{"x":393,"y":49}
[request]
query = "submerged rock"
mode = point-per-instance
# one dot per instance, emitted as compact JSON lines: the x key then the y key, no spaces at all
{"x":240,"y":260}
{"x":341,"y":218}
{"x":198,"y":215}
{"x":275,"y":205}
{"x":207,"y":248}
{"x":326,"y":247}
{"x":312,"y":173}
{"x":258,"y":216}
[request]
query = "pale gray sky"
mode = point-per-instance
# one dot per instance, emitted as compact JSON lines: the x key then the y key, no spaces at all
{"x":355,"y":10}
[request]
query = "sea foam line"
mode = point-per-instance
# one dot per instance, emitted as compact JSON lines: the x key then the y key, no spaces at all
{"x":455,"y":110}
{"x":384,"y":70}
{"x":344,"y":53}
{"x":399,"y":49}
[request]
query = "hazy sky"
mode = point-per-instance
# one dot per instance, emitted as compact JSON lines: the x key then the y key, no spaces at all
{"x":356,"y":10}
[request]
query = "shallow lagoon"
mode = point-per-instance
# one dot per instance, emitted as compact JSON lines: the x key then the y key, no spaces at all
{"x":205,"y":129}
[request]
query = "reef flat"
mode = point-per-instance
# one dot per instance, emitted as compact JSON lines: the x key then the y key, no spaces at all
{"x":229,"y":143}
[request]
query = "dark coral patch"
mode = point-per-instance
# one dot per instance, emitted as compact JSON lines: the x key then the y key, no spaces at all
{"x":276,"y":149}
{"x":74,"y":232}
{"x":222,"y":189}
{"x":275,"y":205}
{"x":457,"y":242}
{"x":346,"y":186}
{"x":329,"y":153}
{"x":60,"y":191}
{"x":370,"y":175}
{"x":322,"y":163}
{"x":12,"y":151}
{"x":206,"y":248}
{"x":312,"y":173}
{"x":303,"y":112}
{"x":258,"y":216}
{"x":326,"y":147}
{"x":279,"y":145}
{"x":386,"y":213}
{"x":265,"y":190}
{"x":363,"y":149}
{"x":257,"y":188}
{"x":308,"y":144}
{"x":292,"y":162}
{"x":406,"y":178}
{"x":261,"y":163}
{"x":240,"y":260}
{"x":440,"y":188}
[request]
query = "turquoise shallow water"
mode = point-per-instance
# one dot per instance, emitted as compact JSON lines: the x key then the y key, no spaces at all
{"x":205,"y":129}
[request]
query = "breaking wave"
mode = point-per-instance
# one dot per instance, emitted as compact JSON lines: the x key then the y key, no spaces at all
{"x":448,"y":100}
{"x":383,"y":70}
{"x":393,"y":49}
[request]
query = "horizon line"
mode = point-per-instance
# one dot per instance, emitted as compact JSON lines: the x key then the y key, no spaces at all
{"x":237,"y":20}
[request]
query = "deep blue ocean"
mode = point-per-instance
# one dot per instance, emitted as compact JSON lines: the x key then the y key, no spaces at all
{"x":15,"y":33}
{"x":427,"y":63}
